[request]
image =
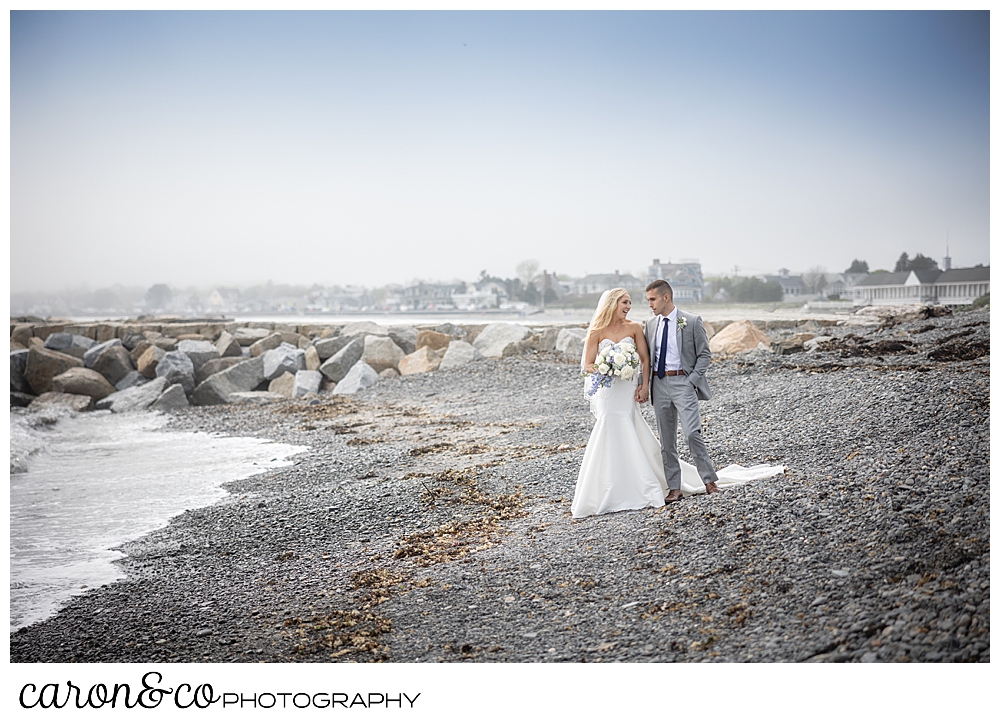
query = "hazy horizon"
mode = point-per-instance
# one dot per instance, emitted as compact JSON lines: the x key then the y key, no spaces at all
{"x":370,"y":148}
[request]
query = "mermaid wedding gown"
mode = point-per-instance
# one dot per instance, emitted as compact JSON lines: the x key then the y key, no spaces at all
{"x":622,"y":468}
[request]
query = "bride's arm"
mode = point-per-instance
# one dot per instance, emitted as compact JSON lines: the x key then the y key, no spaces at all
{"x":643,"y":349}
{"x":591,"y":354}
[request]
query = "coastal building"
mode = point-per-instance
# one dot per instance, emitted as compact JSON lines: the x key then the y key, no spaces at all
{"x":954,"y":287}
{"x":473,"y":298}
{"x":423,"y":295}
{"x":684,"y":278}
{"x":599,"y":283}
{"x":843,"y":285}
{"x":792,"y":287}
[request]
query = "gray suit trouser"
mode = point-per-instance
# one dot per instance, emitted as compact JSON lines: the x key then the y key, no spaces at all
{"x":675,"y":397}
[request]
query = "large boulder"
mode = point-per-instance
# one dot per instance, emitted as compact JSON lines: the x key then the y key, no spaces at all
{"x":326,"y":348}
{"x":336,"y":367}
{"x":43,"y":365}
{"x":21,"y":399}
{"x":21,"y":334}
{"x":281,"y":359}
{"x":255,"y":398}
{"x":80,"y":380}
{"x":571,"y":342}
{"x":138,"y":350}
{"x":133,"y":378}
{"x":134,"y":398}
{"x":177,"y":368}
{"x":271,"y":341}
{"x":793,"y":344}
{"x":306,"y":382}
{"x":90,"y":356}
{"x":132,"y":340}
{"x":360,"y":376}
{"x":449,"y":329}
{"x":458,"y":354}
{"x":433,"y":339}
{"x":214,"y":366}
{"x":227,"y":345}
{"x":18,"y":362}
{"x":381,"y":352}
{"x":547,"y":339}
{"x":148,"y":361}
{"x":363,"y":328}
{"x":312,"y":359}
{"x":198,"y":352}
{"x":114,"y":363}
{"x":405,"y":337}
{"x":738,"y":337}
{"x":172,"y":398}
{"x":246,"y":336}
{"x":422,"y":360}
{"x":492,"y":341}
{"x":167,"y":343}
{"x":243,"y":377}
{"x":61,"y":341}
{"x":710,"y":329}
{"x":283,"y":385}
{"x":76,"y":402}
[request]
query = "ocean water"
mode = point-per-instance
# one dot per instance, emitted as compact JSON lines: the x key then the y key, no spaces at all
{"x":81,"y":484}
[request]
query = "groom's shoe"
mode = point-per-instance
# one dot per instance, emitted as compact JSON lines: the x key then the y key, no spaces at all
{"x":711,"y":487}
{"x":673,"y":496}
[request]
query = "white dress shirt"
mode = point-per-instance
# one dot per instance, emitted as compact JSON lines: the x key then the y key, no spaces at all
{"x":673,"y":353}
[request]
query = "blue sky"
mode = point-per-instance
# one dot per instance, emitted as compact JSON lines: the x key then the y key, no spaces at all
{"x":335,"y":147}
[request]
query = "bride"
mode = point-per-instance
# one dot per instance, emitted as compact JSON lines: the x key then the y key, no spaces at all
{"x":622,"y":467}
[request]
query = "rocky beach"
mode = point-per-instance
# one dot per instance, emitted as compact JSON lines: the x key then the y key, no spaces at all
{"x":429,"y":519}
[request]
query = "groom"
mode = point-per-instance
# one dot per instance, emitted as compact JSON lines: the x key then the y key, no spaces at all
{"x":679,"y":357}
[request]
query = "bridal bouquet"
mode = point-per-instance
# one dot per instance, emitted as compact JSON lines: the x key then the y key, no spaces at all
{"x":613,"y":361}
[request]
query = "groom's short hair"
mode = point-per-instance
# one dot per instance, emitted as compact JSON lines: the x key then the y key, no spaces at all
{"x":661,"y":287}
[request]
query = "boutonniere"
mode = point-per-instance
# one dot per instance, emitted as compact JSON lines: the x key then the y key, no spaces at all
{"x":682,"y":323}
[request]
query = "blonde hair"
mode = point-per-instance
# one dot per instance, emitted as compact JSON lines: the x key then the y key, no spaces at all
{"x":606,"y":309}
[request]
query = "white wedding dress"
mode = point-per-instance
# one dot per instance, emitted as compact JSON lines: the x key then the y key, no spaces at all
{"x":622,"y":468}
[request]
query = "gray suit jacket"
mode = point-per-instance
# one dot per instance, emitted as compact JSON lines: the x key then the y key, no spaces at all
{"x":692,"y":340}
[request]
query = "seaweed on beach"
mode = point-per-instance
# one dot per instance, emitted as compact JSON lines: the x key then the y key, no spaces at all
{"x":341,"y":632}
{"x":852,"y":345}
{"x":966,"y":351}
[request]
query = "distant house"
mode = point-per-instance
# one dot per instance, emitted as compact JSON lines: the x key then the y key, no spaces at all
{"x":843,"y":285}
{"x":473,"y":298}
{"x":599,"y":283}
{"x":792,"y":287}
{"x":422,"y":295}
{"x":955,"y":287}
{"x":223,"y":299}
{"x":684,"y":278}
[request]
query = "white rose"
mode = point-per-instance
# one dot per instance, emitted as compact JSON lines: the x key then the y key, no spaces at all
{"x":627,"y":373}
{"x":619,"y":358}
{"x":618,"y":372}
{"x":603,"y":368}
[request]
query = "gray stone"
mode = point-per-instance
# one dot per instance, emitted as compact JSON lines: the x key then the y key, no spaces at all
{"x":172,"y":398}
{"x":492,"y":340}
{"x":132,"y":340}
{"x":389,"y":373}
{"x":548,"y":337}
{"x":80,"y":380}
{"x":336,"y":367}
{"x":227,"y":345}
{"x":272,"y":341}
{"x":214,"y":366}
{"x":283,"y":385}
{"x":21,"y":399}
{"x":114,"y":363}
{"x":60,"y":341}
{"x":167,"y":343}
{"x":811,"y":344}
{"x":147,"y":361}
{"x":243,"y":377}
{"x":281,"y":359}
{"x":306,"y":382}
{"x":76,"y":402}
{"x":459,"y":353}
{"x":363,"y":328}
{"x":312,"y":359}
{"x":360,"y":376}
{"x":177,"y":368}
{"x":132,"y":379}
{"x":449,"y":329}
{"x":326,"y":348}
{"x":381,"y":352}
{"x":245,"y":336}
{"x":405,"y":337}
{"x":18,"y":361}
{"x":198,"y":352}
{"x":571,"y":342}
{"x":134,"y":398}
{"x":90,"y":356}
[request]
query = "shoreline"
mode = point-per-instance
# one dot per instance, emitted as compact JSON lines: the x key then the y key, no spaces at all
{"x":429,"y":521}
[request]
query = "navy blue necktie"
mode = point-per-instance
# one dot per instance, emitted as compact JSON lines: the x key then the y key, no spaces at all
{"x":661,"y":364}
